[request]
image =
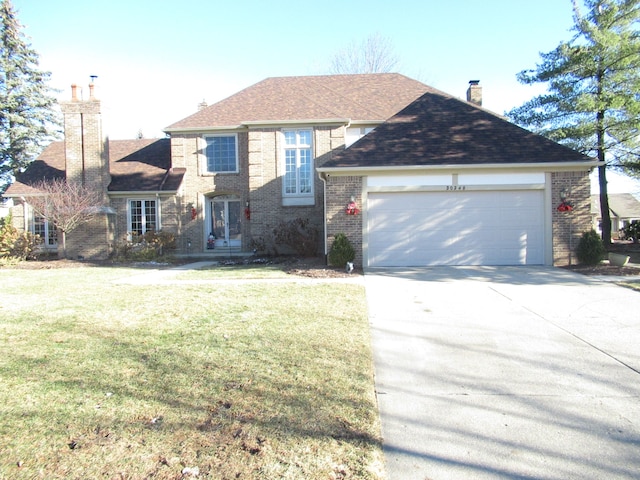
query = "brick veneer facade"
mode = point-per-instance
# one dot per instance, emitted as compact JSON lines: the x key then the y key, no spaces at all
{"x":339,"y":193}
{"x":87,"y":163}
{"x":258,"y":183}
{"x":567,"y":226}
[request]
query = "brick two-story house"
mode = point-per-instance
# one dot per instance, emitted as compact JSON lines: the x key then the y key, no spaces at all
{"x":229,"y":174}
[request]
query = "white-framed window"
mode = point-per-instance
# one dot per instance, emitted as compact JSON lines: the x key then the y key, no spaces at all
{"x":297,"y":182}
{"x":47,"y":233}
{"x":143,"y":216}
{"x":354,"y":134}
{"x":221,"y":152}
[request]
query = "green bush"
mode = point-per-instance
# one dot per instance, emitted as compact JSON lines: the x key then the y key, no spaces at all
{"x":341,"y":251}
{"x":590,"y":249}
{"x":16,"y":244}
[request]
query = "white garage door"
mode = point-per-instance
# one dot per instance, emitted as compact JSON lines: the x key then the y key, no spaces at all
{"x":456,"y":228}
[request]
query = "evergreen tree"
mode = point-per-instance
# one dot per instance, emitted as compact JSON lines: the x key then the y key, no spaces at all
{"x":27,"y":116}
{"x":592,"y":102}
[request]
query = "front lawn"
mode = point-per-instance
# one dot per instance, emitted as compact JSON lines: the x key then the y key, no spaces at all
{"x":260,"y":380}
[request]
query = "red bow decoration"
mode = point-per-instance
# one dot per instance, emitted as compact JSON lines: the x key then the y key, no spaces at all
{"x":565,"y":207}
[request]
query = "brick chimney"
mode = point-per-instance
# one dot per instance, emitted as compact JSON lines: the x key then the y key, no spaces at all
{"x":474,"y":92}
{"x":85,"y":157}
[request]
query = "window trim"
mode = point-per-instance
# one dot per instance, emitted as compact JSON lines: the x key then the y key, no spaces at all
{"x":129,"y":214}
{"x":205,"y":164}
{"x":48,"y":233}
{"x":298,"y":198}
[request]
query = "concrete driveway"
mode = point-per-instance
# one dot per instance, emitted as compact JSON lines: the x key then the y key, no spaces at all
{"x":505,"y":372}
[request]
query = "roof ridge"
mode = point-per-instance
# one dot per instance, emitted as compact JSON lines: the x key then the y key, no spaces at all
{"x":344,"y":97}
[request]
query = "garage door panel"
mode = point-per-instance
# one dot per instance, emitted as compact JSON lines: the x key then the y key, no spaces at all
{"x":455,"y":228}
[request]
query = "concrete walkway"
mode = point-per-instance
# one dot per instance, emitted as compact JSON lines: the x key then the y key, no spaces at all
{"x":507,"y":372}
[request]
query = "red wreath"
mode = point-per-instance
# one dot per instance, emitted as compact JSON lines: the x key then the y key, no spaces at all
{"x":194,"y":213}
{"x":352,"y":209}
{"x":565,"y":207}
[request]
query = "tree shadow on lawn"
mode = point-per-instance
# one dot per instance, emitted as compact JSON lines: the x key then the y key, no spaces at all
{"x":182,"y":404}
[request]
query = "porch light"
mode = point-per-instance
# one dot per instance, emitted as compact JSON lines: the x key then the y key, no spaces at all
{"x":565,"y":205}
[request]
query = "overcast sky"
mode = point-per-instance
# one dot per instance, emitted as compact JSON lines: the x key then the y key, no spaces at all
{"x":157,"y":60}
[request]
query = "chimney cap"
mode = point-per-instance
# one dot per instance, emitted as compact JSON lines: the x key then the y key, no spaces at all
{"x":474,"y":82}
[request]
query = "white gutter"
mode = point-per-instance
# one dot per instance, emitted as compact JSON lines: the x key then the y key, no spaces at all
{"x":258,"y":123}
{"x":141,"y":193}
{"x":302,"y":121}
{"x":203,"y":129}
{"x":551,"y":166}
{"x":324,"y":213}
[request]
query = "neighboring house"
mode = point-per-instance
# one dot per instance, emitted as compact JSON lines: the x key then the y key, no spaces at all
{"x":624,"y":208}
{"x":441,"y":182}
{"x":5,"y":207}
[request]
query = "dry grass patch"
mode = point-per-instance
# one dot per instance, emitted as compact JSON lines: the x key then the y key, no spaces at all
{"x":254,"y":381}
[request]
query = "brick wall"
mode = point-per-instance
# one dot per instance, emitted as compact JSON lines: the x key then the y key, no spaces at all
{"x":339,"y":192}
{"x":93,"y":240}
{"x":258,"y":182}
{"x":568,"y":227}
{"x":86,"y":162}
{"x":85,"y":154}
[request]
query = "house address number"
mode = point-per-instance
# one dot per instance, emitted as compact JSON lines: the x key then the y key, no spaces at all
{"x":451,"y":188}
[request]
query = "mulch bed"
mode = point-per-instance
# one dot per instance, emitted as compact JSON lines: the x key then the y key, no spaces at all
{"x":605,"y":269}
{"x":305,"y":267}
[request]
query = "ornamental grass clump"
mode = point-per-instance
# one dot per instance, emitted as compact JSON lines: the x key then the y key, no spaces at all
{"x":590,"y":249}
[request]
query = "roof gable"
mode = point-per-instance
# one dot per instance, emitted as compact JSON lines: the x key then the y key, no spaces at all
{"x":621,"y":205}
{"x":372,"y":97}
{"x":140,"y":165}
{"x":438,"y":129}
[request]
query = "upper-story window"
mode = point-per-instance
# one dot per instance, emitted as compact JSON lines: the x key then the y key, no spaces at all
{"x":298,"y":167}
{"x":222,"y":153}
{"x":354,"y":134}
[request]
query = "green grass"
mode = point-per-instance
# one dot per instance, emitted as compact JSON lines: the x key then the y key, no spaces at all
{"x":252,"y":381}
{"x":236,"y":272}
{"x":631,"y":284}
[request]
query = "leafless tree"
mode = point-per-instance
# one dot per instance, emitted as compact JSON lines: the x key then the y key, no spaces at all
{"x":65,"y":205}
{"x":373,"y":55}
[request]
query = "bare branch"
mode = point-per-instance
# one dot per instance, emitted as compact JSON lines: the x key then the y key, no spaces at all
{"x":373,"y":55}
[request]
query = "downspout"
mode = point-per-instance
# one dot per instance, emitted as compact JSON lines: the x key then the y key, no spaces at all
{"x":324,"y":213}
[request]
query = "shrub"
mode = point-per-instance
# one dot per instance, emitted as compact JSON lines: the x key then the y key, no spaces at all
{"x":341,"y":251}
{"x":632,"y":231}
{"x":146,"y":247}
{"x":299,"y":235}
{"x":16,"y":244}
{"x":590,"y":249}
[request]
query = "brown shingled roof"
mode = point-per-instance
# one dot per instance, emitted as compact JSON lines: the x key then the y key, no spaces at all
{"x":357,"y":97}
{"x":135,"y":165}
{"x":142,"y":165}
{"x":438,"y":129}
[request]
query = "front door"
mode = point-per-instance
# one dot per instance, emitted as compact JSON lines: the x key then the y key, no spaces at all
{"x":226,"y":221}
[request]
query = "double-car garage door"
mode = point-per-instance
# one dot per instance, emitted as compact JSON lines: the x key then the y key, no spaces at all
{"x":455,"y":228}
